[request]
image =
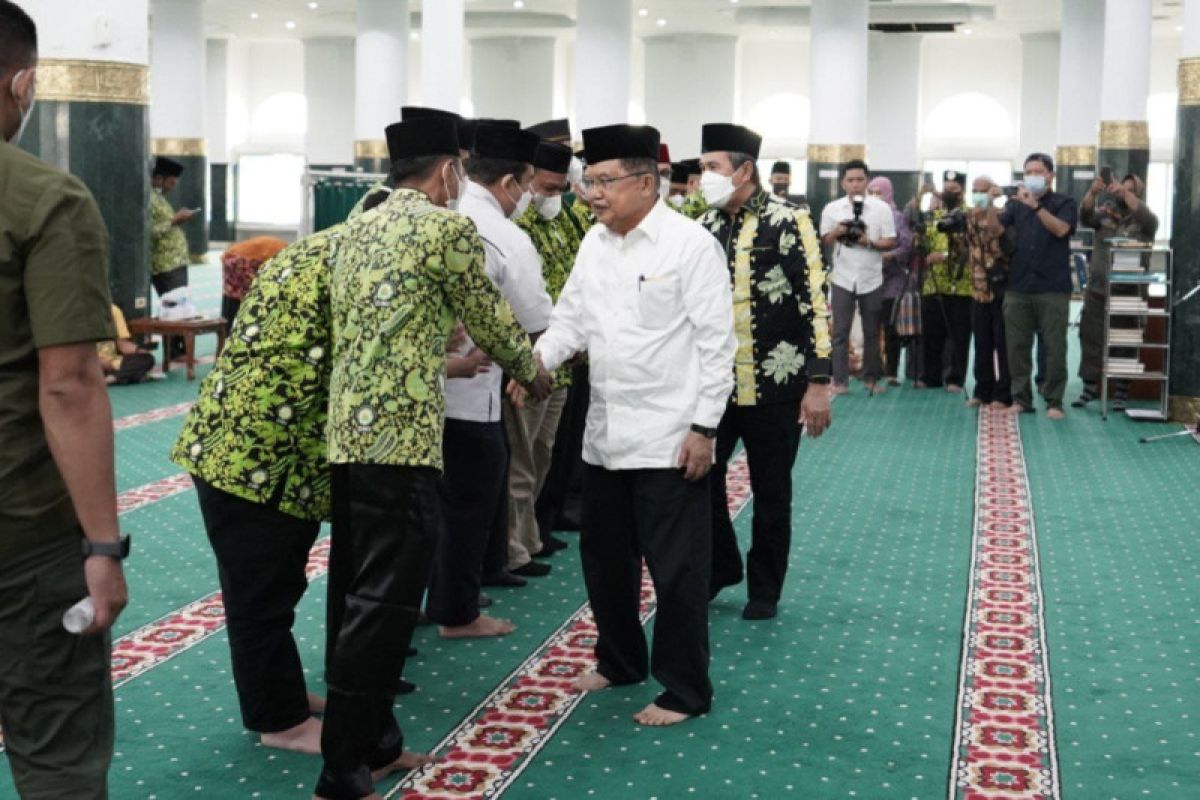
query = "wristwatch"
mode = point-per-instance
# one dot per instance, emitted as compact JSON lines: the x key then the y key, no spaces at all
{"x":708,"y":433}
{"x":118,"y":549}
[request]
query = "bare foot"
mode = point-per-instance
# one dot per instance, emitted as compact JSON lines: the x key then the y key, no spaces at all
{"x":974,"y":402}
{"x":316,"y":703}
{"x":656,"y":717}
{"x":996,"y":404}
{"x":482,"y":627}
{"x":921,"y":385}
{"x":1056,"y":413}
{"x":303,"y":738}
{"x":1015,"y":409}
{"x":592,"y":682}
{"x":407,"y":760}
{"x":953,"y":388}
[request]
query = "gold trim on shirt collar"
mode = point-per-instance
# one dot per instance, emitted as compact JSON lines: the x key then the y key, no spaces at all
{"x":1075,"y":155}
{"x":836,"y":153}
{"x":73,"y":80}
{"x":371,"y":148}
{"x":1125,"y":135}
{"x":179,"y":147}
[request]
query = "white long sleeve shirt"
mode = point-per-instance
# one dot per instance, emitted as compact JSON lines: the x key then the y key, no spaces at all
{"x":513,"y":264}
{"x":654,"y":311}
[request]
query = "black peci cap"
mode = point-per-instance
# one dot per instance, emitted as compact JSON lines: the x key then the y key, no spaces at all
{"x":554,"y":130}
{"x":552,"y":157}
{"x":422,"y":136}
{"x":620,"y":141}
{"x":167,"y":167}
{"x":724,"y":137}
{"x":505,"y":142}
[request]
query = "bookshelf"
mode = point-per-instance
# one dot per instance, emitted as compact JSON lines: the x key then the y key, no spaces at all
{"x":1136,"y":298}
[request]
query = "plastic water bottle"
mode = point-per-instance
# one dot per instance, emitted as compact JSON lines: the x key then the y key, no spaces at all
{"x":78,"y":617}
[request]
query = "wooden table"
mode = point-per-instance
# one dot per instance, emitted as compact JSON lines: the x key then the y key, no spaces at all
{"x":186,"y":328}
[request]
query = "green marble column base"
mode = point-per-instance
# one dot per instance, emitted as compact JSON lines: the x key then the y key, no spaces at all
{"x":1185,"y":240}
{"x":192,"y":192}
{"x":1072,"y":179}
{"x":221,"y":227}
{"x":106,"y":144}
{"x":374,"y":165}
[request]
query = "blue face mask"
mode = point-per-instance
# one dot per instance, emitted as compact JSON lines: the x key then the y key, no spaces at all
{"x":1035,"y":183}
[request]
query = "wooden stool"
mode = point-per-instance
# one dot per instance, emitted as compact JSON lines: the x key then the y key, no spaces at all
{"x":188,"y":329}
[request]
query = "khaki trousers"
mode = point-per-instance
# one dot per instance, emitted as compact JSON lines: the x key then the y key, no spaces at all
{"x":531,"y":432}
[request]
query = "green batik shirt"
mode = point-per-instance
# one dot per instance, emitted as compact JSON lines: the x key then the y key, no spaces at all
{"x":557,"y":242}
{"x":358,"y":207}
{"x":693,"y":206}
{"x":953,"y":276}
{"x":404,"y":272}
{"x":257,"y":430}
{"x":583,"y":213}
{"x":168,"y":245}
{"x":780,"y":315}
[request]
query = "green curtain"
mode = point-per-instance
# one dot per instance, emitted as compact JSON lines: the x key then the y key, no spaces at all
{"x":333,"y":198}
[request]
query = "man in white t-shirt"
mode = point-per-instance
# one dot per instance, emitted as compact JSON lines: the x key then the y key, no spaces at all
{"x":859,"y":229}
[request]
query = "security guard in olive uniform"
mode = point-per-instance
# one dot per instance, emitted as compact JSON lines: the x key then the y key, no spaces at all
{"x":57,"y":495}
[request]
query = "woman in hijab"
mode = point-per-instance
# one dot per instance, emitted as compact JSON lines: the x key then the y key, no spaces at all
{"x":895,"y":279}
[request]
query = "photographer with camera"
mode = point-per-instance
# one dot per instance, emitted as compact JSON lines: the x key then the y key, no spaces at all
{"x":1038,"y":296}
{"x":1115,"y":211}
{"x":947,"y":289}
{"x":987,"y":254}
{"x":859,"y":229}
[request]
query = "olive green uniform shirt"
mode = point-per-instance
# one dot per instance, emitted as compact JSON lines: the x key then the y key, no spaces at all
{"x":257,"y":430}
{"x":53,"y":291}
{"x":168,"y":245}
{"x":404,"y":272}
{"x":952,"y":277}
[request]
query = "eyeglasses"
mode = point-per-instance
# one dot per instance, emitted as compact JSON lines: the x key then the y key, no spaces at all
{"x":604,"y":184}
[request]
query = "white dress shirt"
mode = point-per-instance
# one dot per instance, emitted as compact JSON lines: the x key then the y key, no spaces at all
{"x":859,"y":269}
{"x":654,"y":311}
{"x":515,"y":267}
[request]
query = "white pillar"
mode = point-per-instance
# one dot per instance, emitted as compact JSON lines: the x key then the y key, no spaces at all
{"x":1125,"y":78}
{"x":1039,"y":93}
{"x":1191,"y":29}
{"x":604,"y":40}
{"x":328,"y":81}
{"x":680,"y":69}
{"x":177,"y":71}
{"x":500,"y":64}
{"x":839,"y":72}
{"x":442,"y":43}
{"x":1081,"y":57}
{"x":216,"y":100}
{"x":99,"y":30}
{"x":893,"y":110}
{"x":381,"y":66}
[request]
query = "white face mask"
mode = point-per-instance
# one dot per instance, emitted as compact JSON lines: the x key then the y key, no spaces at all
{"x":676,"y":200}
{"x":1035,"y":183}
{"x":453,"y":201}
{"x":522,"y":202}
{"x":716,"y":188}
{"x":27,"y":114}
{"x":547,"y":207}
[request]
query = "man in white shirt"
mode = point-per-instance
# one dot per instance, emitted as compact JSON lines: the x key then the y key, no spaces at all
{"x":859,"y":236}
{"x":649,"y":300}
{"x":474,"y":448}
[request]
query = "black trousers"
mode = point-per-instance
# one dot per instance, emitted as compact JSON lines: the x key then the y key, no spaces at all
{"x":992,"y":381}
{"x":229,"y":310}
{"x":261,"y":555}
{"x":386,"y":520}
{"x":654,"y":514}
{"x":946,"y":319}
{"x":170,"y":280}
{"x":772,"y":437}
{"x":495,"y":553}
{"x":894,"y":343}
{"x":558,"y":503}
{"x":471,"y":489}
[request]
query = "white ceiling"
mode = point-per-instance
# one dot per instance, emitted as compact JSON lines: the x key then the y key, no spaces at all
{"x":336,"y":17}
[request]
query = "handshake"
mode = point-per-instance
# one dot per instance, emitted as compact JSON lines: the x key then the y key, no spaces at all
{"x":539,"y":388}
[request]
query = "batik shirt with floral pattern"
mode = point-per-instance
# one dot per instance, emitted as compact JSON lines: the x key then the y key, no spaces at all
{"x":694,"y":206}
{"x":168,"y":245}
{"x":404,"y":272}
{"x":780,"y":314}
{"x":358,"y":207}
{"x":257,"y":430}
{"x":557,"y":242}
{"x":951,"y":277}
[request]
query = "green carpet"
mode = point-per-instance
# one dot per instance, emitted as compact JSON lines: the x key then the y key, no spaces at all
{"x":850,"y":692}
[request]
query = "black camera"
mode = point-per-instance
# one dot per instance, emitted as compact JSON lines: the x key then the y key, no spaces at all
{"x":855,"y":227}
{"x":954,"y":222}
